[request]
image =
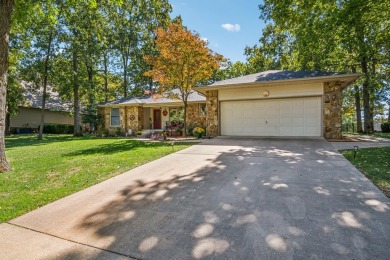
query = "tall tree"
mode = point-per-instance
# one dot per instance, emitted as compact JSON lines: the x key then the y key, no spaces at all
{"x":183,"y":62}
{"x":6,"y":8}
{"x":336,"y":35}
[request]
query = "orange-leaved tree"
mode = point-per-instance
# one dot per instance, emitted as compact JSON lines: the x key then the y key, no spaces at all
{"x":183,"y":62}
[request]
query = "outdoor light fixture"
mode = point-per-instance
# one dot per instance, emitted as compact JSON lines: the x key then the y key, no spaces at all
{"x":356,"y":148}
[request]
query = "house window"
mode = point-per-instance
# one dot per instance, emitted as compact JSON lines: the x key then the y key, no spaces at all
{"x":115,"y":117}
{"x":202,"y":110}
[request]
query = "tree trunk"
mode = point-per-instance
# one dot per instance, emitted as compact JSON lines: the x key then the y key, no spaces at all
{"x":358,"y":106}
{"x":91,"y":94}
{"x":44,"y":92}
{"x":105,"y":77}
{"x":125,"y":63}
{"x":366,"y":98}
{"x":6,"y":7}
{"x":185,"y":118}
{"x":77,"y":131}
{"x":7,"y":124}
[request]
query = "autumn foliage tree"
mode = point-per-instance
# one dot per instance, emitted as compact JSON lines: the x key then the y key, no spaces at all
{"x":183,"y":62}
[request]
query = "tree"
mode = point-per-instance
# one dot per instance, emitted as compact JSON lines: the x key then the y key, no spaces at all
{"x":183,"y":62}
{"x":336,"y":36}
{"x":6,"y":8}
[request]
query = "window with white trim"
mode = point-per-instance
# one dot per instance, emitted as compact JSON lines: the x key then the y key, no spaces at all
{"x":115,"y":118}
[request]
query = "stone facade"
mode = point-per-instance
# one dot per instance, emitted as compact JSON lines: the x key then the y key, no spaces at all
{"x":193,"y":116}
{"x":129,"y":117}
{"x":212,"y":113}
{"x":135,"y":117}
{"x":332,"y":110}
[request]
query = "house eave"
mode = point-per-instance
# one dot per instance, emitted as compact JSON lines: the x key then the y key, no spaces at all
{"x":345,"y":80}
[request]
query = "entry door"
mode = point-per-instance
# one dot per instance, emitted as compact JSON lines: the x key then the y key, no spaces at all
{"x":156,"y":119}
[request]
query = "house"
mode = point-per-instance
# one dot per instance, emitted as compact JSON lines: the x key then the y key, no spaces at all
{"x":29,"y":116}
{"x":269,"y":103}
{"x":153,"y":112}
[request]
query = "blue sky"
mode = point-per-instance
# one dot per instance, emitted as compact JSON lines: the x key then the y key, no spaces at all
{"x":228,"y":25}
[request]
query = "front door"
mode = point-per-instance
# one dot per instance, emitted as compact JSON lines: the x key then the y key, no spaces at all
{"x":156,"y":119}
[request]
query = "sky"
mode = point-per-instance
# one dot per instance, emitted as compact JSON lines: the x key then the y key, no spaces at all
{"x":228,"y":25}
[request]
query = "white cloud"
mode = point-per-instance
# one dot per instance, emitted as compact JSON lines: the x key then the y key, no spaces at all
{"x":205,"y":39}
{"x":231,"y":27}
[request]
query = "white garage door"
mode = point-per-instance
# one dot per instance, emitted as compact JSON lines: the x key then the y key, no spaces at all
{"x":272,"y":117}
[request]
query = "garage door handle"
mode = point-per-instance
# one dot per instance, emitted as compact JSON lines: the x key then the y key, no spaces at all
{"x":266,"y":122}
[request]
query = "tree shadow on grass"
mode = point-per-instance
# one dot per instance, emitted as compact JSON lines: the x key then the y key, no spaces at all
{"x":122,"y":146}
{"x":32,"y":140}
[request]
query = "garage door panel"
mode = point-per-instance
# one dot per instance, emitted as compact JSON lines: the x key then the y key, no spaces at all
{"x":275,"y":117}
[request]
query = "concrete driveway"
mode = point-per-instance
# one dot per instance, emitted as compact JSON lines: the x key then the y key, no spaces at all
{"x":225,"y":198}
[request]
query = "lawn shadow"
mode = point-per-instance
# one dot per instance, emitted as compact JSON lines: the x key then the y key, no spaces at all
{"x":252,"y":202}
{"x":32,"y":140}
{"x":123,"y":145}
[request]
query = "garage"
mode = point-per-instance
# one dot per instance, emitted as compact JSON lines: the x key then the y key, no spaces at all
{"x":272,"y":117}
{"x":277,"y":103}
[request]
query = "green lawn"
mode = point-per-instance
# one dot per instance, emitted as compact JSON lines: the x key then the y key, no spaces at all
{"x":374,"y":163}
{"x":383,"y":135}
{"x":61,"y":165}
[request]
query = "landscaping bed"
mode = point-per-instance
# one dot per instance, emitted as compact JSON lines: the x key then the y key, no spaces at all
{"x":62,"y":164}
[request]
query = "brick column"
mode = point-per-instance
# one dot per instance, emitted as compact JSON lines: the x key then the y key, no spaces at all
{"x":135,"y":118}
{"x":332,"y":110}
{"x":212,"y":113}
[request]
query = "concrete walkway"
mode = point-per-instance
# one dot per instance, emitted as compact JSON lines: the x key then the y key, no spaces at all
{"x":224,"y":199}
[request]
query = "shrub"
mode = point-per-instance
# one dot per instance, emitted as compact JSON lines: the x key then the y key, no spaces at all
{"x":198,"y":132}
{"x":58,"y":129}
{"x":385,"y":127}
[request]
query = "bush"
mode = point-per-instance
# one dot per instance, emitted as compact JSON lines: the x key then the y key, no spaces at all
{"x":385,"y":127}
{"x":198,"y":132}
{"x":58,"y":129}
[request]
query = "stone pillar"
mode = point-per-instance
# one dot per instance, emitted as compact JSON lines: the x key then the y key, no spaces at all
{"x":104,"y":113}
{"x":212,"y":113}
{"x":332,"y":110}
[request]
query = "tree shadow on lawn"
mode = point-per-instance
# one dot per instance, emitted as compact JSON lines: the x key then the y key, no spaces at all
{"x":122,"y":146}
{"x":244,"y":207}
{"x":32,"y":140}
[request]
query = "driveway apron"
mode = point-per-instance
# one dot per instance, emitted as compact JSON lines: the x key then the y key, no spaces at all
{"x":227,"y":198}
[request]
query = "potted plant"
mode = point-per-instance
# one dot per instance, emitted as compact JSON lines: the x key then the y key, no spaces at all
{"x":198,"y":132}
{"x":179,"y":132}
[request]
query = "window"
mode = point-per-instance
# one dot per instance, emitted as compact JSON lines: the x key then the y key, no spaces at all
{"x":115,"y":117}
{"x":202,"y":110}
{"x":176,"y":114}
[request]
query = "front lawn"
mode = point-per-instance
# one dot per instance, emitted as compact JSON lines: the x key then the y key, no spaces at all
{"x":374,"y":163}
{"x":61,"y":165}
{"x":383,"y":135}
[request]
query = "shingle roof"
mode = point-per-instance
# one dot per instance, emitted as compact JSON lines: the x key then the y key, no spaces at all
{"x":154,"y":99}
{"x":33,"y":99}
{"x":273,"y":75}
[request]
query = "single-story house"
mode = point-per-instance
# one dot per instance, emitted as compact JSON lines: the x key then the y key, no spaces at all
{"x":269,"y":103}
{"x":152,"y":112}
{"x":29,"y":116}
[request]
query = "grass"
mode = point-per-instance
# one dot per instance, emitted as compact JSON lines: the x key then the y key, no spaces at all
{"x":374,"y":163}
{"x":376,"y":134}
{"x":61,"y":165}
{"x":383,"y":135}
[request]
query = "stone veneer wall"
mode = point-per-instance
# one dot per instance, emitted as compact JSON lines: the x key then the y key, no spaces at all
{"x":212,"y":113}
{"x":135,"y":117}
{"x":332,"y":110}
{"x":193,"y":116}
{"x":130,"y":118}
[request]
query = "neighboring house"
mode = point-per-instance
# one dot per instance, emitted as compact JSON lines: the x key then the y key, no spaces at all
{"x":269,"y":103}
{"x":29,"y":116}
{"x":152,"y":112}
